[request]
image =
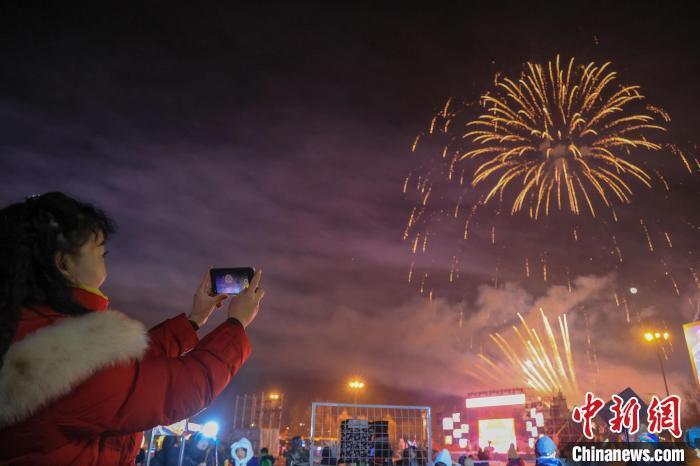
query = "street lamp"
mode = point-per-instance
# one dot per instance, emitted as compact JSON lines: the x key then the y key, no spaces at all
{"x":356,"y":385}
{"x":658,"y":338}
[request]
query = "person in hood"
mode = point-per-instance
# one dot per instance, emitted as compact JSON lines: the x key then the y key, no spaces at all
{"x":242,"y":452}
{"x":80,"y":382}
{"x":443,"y":458}
{"x":546,"y":452}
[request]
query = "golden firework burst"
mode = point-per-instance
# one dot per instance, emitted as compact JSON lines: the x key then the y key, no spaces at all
{"x":561,"y":134}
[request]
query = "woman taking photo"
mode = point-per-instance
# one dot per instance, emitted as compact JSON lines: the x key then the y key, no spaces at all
{"x":80,"y":382}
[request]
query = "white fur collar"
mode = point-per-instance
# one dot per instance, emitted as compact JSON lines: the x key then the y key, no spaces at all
{"x":48,"y":363}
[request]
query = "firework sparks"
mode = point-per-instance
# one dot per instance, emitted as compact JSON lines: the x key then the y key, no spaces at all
{"x":668,"y":239}
{"x":555,"y":145}
{"x":667,"y":272}
{"x":543,"y":259}
{"x":561,"y":132}
{"x":545,"y":365}
{"x":469,"y":219}
{"x":695,"y":277}
{"x":648,"y":236}
{"x":415,"y":143}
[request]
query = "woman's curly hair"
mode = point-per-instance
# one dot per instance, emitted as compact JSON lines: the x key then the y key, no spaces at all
{"x":31,"y":233}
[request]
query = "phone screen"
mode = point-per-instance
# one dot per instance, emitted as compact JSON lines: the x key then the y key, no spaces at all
{"x":230,"y":280}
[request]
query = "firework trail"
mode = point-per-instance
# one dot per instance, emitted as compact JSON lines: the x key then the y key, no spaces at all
{"x":545,"y":365}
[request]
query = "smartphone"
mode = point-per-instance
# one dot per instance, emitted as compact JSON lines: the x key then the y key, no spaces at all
{"x":230,"y":280}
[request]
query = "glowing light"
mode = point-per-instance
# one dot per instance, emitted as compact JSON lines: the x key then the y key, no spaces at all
{"x":539,"y":420}
{"x":561,"y":132}
{"x":500,"y":432}
{"x":633,"y":290}
{"x":274,"y":396}
{"x":455,"y":417}
{"x":356,"y":384}
{"x":498,"y":400}
{"x":447,"y":423}
{"x":448,"y":440}
{"x":650,"y":336}
{"x":210,"y":429}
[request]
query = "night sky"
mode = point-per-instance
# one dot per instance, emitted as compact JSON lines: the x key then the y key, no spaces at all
{"x":279,"y":137}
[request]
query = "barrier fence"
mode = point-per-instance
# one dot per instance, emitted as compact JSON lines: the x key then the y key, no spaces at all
{"x":376,"y":435}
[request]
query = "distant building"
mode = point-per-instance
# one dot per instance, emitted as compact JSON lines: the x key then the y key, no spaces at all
{"x":258,"y":417}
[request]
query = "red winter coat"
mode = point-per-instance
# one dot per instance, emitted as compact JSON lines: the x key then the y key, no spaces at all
{"x":80,"y":390}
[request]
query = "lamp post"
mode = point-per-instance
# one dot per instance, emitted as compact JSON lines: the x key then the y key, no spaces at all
{"x":356,"y":385}
{"x":657,"y":338}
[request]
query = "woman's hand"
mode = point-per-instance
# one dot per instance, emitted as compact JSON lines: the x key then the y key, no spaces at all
{"x":205,"y":302}
{"x":244,"y":306}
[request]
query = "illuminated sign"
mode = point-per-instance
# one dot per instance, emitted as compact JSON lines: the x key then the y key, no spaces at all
{"x":500,"y":432}
{"x":692,"y":340}
{"x":498,"y":400}
{"x":539,"y":420}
